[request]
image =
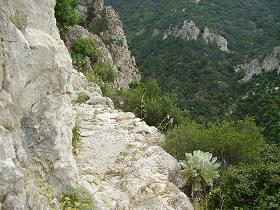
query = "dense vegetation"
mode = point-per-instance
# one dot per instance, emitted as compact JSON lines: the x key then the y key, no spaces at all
{"x":201,"y":75}
{"x":231,"y":142}
{"x":261,"y":100}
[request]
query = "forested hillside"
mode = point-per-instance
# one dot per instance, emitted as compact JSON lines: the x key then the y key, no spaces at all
{"x":201,"y":75}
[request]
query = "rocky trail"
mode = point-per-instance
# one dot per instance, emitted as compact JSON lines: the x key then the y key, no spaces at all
{"x":122,"y":168}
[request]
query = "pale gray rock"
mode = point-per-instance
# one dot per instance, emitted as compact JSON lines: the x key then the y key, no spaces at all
{"x":270,"y":62}
{"x":219,"y":40}
{"x":36,"y":75}
{"x":188,"y":31}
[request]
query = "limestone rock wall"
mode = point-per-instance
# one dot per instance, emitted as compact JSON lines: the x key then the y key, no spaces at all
{"x":270,"y":62}
{"x":36,"y":114}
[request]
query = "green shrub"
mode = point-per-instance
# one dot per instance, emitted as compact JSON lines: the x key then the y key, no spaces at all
{"x":199,"y":170}
{"x":76,"y":199}
{"x":105,"y":71}
{"x":230,"y":142}
{"x":65,"y":13}
{"x":148,"y":102}
{"x":81,"y":49}
{"x":76,"y":137}
{"x":82,"y":98}
{"x":249,"y":186}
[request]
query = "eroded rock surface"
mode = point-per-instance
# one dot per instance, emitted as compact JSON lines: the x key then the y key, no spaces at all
{"x":219,"y":40}
{"x":270,"y":62}
{"x":188,"y":31}
{"x":112,"y":34}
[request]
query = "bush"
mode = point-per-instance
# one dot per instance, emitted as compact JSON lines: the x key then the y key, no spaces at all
{"x":81,"y":49}
{"x":76,"y":199}
{"x":65,"y":13}
{"x":230,"y":142}
{"x":148,"y":102}
{"x":105,"y":71}
{"x":249,"y":186}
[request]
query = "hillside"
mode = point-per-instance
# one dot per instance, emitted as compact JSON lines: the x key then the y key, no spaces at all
{"x":201,"y":74}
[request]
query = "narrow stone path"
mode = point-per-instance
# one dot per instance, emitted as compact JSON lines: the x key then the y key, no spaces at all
{"x":120,"y":165}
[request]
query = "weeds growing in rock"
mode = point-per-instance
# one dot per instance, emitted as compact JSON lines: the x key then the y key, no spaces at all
{"x":76,"y":137}
{"x":76,"y":199}
{"x":9,"y":127}
{"x":82,"y":98}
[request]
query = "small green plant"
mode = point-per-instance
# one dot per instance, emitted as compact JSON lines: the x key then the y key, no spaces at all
{"x":76,"y":137}
{"x":199,"y":170}
{"x":76,"y":199}
{"x":9,"y":127}
{"x":82,"y":98}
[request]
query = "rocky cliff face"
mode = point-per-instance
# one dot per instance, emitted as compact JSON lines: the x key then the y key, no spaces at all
{"x":219,"y":40}
{"x":270,"y":62}
{"x":112,"y":33}
{"x":116,"y":162}
{"x":189,"y":31}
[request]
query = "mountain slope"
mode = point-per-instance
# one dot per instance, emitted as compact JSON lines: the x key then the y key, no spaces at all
{"x":201,"y":74}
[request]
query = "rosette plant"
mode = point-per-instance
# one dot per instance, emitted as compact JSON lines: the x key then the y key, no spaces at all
{"x":199,"y":170}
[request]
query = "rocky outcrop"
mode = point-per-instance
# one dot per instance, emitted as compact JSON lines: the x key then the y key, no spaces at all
{"x":118,"y":161}
{"x":78,"y":32}
{"x":188,"y":31}
{"x":113,"y":36}
{"x":270,"y":62}
{"x":219,"y":40}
